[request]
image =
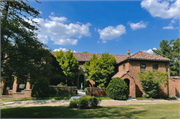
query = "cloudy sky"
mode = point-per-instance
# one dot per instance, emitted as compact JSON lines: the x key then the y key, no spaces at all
{"x":114,"y":26}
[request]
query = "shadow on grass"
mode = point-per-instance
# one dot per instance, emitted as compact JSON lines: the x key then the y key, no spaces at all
{"x":65,"y":112}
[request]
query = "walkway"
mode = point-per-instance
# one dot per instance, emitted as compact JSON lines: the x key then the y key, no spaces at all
{"x":66,"y":103}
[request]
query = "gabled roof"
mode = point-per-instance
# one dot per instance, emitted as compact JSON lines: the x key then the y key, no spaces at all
{"x":85,"y":57}
{"x":120,"y":73}
{"x":147,"y":56}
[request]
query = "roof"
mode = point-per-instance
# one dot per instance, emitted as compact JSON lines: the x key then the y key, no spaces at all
{"x":147,"y":56}
{"x":85,"y":57}
{"x":120,"y":73}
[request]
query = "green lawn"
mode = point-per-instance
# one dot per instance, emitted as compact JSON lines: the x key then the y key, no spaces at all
{"x":123,"y":111}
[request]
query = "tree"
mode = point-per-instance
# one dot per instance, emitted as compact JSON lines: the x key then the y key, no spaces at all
{"x":150,"y":82}
{"x":170,"y":49}
{"x":22,"y":54}
{"x":69,"y":65}
{"x":84,"y":52}
{"x":100,"y":70}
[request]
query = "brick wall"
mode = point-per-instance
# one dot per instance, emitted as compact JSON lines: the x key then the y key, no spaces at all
{"x":71,"y":89}
{"x":134,"y":68}
{"x":96,"y":91}
{"x":174,"y":86}
{"x":23,"y":94}
{"x":124,"y":66}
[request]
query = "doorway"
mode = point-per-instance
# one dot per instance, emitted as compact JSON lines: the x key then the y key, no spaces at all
{"x":81,"y":81}
{"x":127,"y":82}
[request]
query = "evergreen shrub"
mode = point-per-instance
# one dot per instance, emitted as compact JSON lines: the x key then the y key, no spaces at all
{"x":117,"y":89}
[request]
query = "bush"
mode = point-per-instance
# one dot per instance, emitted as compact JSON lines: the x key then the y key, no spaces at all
{"x":85,"y":90}
{"x":172,"y":97}
{"x":62,"y":84}
{"x":165,"y":96}
{"x":93,"y":101}
{"x":73,"y":104}
{"x":144,"y":95}
{"x":83,"y":102}
{"x":101,"y":85}
{"x":40,"y":88}
{"x":117,"y":89}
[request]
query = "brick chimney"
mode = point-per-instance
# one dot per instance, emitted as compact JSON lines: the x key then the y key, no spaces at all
{"x":128,"y":53}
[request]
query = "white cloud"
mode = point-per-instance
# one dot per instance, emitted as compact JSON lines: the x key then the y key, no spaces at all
{"x":52,"y":13}
{"x":60,"y":19}
{"x":170,"y":26}
{"x":150,"y":51}
{"x":63,"y":49}
{"x":60,"y":33}
{"x":111,"y":32}
{"x":162,"y":8}
{"x":139,"y":25}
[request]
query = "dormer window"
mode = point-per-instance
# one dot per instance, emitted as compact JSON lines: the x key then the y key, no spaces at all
{"x":155,"y":67}
{"x":143,"y":67}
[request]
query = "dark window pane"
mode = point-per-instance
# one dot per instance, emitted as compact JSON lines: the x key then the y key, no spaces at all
{"x":155,"y":67}
{"x":143,"y":67}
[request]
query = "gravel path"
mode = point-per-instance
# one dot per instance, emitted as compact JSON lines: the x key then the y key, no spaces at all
{"x":66,"y":103}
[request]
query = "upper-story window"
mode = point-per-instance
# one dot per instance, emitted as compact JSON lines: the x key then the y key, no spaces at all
{"x":155,"y":67}
{"x":143,"y":67}
{"x":166,"y":67}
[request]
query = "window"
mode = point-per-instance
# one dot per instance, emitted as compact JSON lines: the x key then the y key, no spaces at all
{"x":143,"y":67}
{"x":166,"y":67}
{"x":155,"y":67}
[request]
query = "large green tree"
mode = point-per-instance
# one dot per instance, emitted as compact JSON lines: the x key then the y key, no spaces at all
{"x":69,"y":65}
{"x":100,"y":70}
{"x":22,"y":54}
{"x":170,"y":49}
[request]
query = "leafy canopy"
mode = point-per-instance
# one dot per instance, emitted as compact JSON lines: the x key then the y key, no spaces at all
{"x":150,"y":82}
{"x":170,"y":49}
{"x":22,"y":54}
{"x":100,"y":70}
{"x":69,"y":65}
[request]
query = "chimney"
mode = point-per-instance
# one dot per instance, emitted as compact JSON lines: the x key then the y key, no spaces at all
{"x":128,"y":52}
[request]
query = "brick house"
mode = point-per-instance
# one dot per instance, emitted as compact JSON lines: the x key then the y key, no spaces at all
{"x":127,"y":68}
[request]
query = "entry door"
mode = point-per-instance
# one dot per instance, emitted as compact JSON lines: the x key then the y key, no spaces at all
{"x":81,"y":81}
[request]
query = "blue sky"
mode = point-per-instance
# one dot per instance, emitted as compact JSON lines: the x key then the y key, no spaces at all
{"x":114,"y":26}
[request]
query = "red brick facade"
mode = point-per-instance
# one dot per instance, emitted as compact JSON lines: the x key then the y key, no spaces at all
{"x":128,"y":69}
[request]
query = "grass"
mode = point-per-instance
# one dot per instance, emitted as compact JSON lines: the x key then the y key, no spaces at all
{"x":140,"y":98}
{"x":61,"y":96}
{"x":104,"y":97}
{"x":122,"y":111}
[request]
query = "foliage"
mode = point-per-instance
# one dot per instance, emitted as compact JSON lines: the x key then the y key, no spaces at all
{"x":172,"y":97}
{"x":83,"y":102}
{"x":94,"y":101}
{"x":85,"y":90}
{"x":144,"y":95}
{"x":60,"y":95}
{"x":101,"y":85}
{"x":73,"y":103}
{"x":100,"y":70}
{"x":85,"y":52}
{"x":170,"y":49}
{"x":22,"y":54}
{"x":69,"y":65}
{"x":117,"y":89}
{"x":150,"y":82}
{"x":62,"y":84}
{"x":40,"y":88}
